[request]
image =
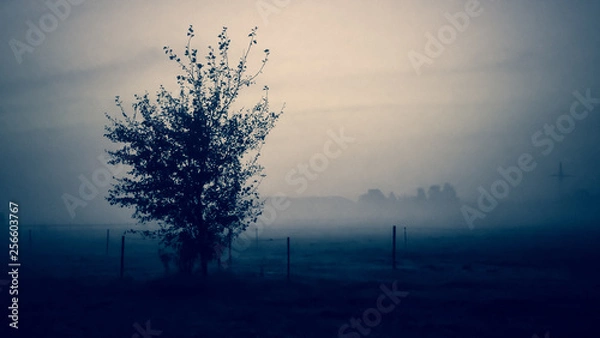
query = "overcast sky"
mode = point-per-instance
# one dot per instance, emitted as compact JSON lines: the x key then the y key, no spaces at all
{"x":336,"y":64}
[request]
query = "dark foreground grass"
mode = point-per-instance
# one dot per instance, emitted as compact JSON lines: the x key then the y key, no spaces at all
{"x":515,"y":288}
{"x":226,"y":305}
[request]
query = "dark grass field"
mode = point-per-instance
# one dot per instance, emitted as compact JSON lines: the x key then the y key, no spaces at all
{"x":511,"y":282}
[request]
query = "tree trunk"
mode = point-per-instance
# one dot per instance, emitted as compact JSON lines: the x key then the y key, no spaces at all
{"x":204,"y":265}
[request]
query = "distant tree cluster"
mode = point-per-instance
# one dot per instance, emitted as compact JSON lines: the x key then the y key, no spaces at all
{"x":437,"y":202}
{"x":445,"y":194}
{"x":435,"y":193}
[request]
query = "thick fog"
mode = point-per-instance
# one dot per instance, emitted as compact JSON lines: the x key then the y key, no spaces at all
{"x":374,"y":101}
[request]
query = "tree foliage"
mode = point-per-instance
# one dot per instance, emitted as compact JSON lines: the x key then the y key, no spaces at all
{"x":193,"y":158}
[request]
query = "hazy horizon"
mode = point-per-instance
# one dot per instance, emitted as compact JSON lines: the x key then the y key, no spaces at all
{"x":340,"y":67}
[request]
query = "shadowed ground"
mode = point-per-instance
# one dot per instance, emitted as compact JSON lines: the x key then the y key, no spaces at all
{"x":486,"y":284}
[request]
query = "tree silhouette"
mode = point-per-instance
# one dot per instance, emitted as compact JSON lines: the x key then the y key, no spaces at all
{"x":449,"y":193}
{"x":193,"y":157}
{"x":421,"y":197}
{"x":434,"y":193}
{"x":373,"y":197}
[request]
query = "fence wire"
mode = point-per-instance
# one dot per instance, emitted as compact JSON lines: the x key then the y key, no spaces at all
{"x":95,"y":251}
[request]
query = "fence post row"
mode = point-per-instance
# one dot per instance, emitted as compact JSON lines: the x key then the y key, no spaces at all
{"x":288,"y":266}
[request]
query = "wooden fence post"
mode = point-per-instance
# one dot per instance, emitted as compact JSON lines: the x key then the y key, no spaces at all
{"x":256,"y":231}
{"x":107,"y":239}
{"x":229,"y":235}
{"x":122,"y":255}
{"x":288,"y":259}
{"x":394,"y":247}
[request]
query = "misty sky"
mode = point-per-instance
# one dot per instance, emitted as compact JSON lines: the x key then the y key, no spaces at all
{"x":337,"y":65}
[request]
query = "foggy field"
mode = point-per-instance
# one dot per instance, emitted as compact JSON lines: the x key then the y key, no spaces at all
{"x":341,"y":169}
{"x":461,"y":283}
